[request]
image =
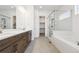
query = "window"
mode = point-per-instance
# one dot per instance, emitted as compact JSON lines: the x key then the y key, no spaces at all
{"x":65,"y":15}
{"x":76,"y":9}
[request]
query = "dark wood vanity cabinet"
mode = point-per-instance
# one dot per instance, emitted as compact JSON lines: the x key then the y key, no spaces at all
{"x":24,"y":40}
{"x":15,"y":44}
{"x":9,"y":49}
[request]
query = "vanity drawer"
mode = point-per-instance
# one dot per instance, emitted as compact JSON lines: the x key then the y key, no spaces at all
{"x":20,"y":36}
{"x":9,"y":49}
{"x":7,"y":42}
{"x":22,"y":44}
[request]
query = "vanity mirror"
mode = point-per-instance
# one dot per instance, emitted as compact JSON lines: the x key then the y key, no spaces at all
{"x":7,"y":17}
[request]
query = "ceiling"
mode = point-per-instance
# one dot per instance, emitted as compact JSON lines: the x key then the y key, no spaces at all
{"x":7,"y":8}
{"x":53,"y":7}
{"x":47,"y":7}
{"x":44,"y":7}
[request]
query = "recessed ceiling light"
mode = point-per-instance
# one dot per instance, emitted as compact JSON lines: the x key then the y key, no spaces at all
{"x":12,"y":6}
{"x":41,"y":7}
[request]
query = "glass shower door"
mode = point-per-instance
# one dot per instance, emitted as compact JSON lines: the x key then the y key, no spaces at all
{"x":51,"y":25}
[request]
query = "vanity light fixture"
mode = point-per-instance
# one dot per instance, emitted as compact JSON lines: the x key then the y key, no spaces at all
{"x":41,"y":7}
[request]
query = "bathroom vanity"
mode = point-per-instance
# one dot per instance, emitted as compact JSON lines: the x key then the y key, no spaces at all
{"x":16,"y":42}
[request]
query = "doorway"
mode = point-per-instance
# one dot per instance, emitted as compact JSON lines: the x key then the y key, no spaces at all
{"x":14,"y":22}
{"x":42,"y":25}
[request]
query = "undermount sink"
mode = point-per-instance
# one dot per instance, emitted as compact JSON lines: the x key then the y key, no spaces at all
{"x":10,"y":32}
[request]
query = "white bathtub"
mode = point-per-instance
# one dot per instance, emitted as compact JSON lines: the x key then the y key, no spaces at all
{"x":63,"y":40}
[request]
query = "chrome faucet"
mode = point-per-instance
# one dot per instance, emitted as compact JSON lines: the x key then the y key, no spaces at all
{"x":0,"y":28}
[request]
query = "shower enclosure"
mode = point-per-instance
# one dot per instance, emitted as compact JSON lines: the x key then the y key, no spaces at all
{"x":51,"y":23}
{"x":60,"y":20}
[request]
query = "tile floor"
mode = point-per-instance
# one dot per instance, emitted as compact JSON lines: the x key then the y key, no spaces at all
{"x":41,"y":45}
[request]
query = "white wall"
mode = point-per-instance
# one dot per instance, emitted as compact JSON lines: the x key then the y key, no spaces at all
{"x":64,"y":25}
{"x":25,"y":18}
{"x":36,"y":24}
{"x":76,"y":27}
{"x":37,"y":14}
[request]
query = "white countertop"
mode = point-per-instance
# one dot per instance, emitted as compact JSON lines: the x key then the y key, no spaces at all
{"x":10,"y":32}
